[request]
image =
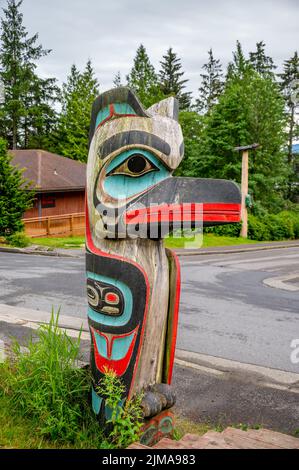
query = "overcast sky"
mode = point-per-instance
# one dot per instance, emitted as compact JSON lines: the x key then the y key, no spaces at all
{"x":109,"y":32}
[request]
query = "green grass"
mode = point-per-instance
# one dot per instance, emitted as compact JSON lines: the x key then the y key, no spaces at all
{"x":45,"y":398}
{"x":60,"y":242}
{"x":209,"y":240}
{"x":45,"y":386}
{"x":186,"y":426}
{"x":19,"y":432}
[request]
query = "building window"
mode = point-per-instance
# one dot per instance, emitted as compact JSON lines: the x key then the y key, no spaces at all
{"x":48,"y":201}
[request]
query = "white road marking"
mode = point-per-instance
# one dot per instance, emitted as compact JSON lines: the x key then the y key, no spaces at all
{"x":264,"y":375}
{"x":193,"y":365}
{"x":281,"y":282}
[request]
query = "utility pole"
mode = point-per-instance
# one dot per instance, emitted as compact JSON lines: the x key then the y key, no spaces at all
{"x":2,"y":92}
{"x":244,"y":185}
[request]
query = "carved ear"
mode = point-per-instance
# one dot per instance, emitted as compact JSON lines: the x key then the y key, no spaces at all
{"x":167,"y":108}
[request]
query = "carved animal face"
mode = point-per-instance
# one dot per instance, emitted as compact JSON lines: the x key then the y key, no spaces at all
{"x":131,"y":151}
{"x":130,"y":187}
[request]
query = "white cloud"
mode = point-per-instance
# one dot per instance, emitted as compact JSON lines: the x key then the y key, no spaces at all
{"x":109,"y":32}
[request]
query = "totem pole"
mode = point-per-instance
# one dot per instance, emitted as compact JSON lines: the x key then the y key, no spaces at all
{"x":133,"y":282}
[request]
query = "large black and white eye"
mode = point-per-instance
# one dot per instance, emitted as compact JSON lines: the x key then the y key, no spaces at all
{"x":136,"y":165}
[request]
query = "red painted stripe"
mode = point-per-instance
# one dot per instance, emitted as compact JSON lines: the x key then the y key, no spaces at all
{"x":112,"y":114}
{"x":175,"y":317}
{"x":91,"y":247}
{"x":207,"y":212}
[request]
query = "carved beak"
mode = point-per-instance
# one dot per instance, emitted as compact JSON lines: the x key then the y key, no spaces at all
{"x":175,"y":201}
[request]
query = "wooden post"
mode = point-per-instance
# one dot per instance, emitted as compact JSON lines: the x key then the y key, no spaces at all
{"x":48,"y":225}
{"x":133,"y":283}
{"x":244,"y":192}
{"x":244,"y":186}
{"x":71,"y":224}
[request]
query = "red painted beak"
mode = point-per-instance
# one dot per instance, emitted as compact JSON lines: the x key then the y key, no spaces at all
{"x":194,"y":201}
{"x":207,"y":213}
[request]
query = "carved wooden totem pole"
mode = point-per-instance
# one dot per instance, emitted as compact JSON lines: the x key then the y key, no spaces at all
{"x":133,"y":283}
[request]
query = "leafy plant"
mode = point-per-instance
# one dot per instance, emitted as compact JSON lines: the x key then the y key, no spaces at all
{"x":45,"y":385}
{"x":264,"y":227}
{"x":18,"y":239}
{"x":126,"y":417}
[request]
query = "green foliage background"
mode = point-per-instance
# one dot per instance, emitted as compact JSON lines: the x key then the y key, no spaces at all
{"x":15,"y":194}
{"x":246,"y":103}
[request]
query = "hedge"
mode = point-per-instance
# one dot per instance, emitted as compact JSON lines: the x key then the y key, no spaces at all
{"x":281,"y":226}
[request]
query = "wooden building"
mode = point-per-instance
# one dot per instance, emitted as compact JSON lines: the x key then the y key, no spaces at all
{"x":59,"y":182}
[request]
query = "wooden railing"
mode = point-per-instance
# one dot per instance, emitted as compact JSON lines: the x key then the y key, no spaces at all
{"x":55,"y":226}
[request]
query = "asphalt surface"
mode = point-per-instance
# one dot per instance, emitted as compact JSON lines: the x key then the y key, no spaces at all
{"x":226,"y":310}
{"x":232,"y":401}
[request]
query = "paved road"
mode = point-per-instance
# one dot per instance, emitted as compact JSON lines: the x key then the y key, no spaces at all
{"x":226,"y":310}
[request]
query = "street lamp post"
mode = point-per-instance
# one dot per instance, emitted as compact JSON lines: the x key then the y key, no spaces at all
{"x":244,"y":185}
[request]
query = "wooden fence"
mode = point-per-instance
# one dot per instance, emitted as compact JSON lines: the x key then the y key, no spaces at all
{"x":55,"y":226}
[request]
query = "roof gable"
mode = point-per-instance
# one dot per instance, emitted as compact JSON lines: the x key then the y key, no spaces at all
{"x":50,"y":172}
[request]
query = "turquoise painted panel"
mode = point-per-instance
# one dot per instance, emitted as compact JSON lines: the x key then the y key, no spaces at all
{"x":119,"y":108}
{"x":96,"y":401}
{"x":121,"y":347}
{"x":122,"y":186}
{"x":123,"y":108}
{"x":103,"y":114}
{"x":101,"y":345}
{"x":128,"y":303}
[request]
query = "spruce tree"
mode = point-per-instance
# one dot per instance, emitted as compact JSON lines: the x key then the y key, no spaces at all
{"x":290,"y":88}
{"x":16,"y":196}
{"x":211,"y":85}
{"x":250,"y":109}
{"x":262,"y":63}
{"x":143,"y":79}
{"x":239,"y":64}
{"x":117,"y":80}
{"x":27,"y":99}
{"x":41,"y":117}
{"x":78,"y":94}
{"x":171,"y":79}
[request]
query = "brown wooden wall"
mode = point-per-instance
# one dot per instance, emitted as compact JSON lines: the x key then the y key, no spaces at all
{"x":65,"y":203}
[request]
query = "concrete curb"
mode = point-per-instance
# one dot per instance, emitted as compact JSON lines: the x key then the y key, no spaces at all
{"x":37,"y":252}
{"x":273,"y":378}
{"x":179,"y":252}
{"x":29,"y":318}
{"x":219,"y":251}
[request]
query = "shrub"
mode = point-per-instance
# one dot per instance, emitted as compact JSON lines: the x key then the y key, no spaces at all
{"x":45,"y":385}
{"x":263,"y":226}
{"x":292,"y":216}
{"x":18,"y":239}
{"x":257,"y":229}
{"x":281,"y":226}
{"x":230,"y":230}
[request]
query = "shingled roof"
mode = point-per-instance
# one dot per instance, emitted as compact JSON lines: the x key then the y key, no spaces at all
{"x":50,"y":172}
